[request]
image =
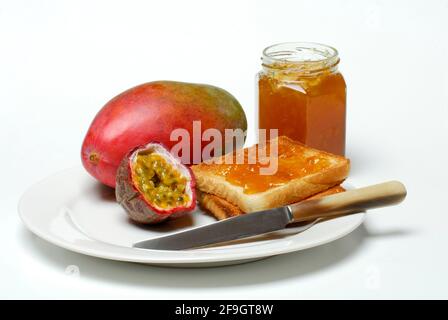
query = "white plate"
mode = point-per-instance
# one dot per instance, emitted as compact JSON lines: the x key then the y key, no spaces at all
{"x":71,"y":210}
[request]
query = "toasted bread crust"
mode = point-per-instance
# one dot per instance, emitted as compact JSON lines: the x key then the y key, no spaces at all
{"x":293,"y":191}
{"x":218,"y":207}
{"x":222,"y":209}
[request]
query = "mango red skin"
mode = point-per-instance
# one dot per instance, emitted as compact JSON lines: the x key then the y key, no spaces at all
{"x":150,"y":112}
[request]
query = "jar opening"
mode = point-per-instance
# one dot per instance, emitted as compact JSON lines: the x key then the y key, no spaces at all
{"x":307,"y":57}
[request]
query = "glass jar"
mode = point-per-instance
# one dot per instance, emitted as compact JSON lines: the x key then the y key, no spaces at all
{"x":303,"y":95}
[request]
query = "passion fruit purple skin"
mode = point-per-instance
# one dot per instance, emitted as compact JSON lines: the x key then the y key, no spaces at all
{"x":134,"y":202}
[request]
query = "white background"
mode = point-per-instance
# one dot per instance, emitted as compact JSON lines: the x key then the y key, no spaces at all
{"x":60,"y":61}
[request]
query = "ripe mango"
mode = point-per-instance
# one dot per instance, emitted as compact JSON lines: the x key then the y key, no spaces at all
{"x":149,"y":113}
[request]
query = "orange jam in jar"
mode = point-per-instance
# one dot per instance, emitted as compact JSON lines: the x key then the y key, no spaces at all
{"x":303,"y":95}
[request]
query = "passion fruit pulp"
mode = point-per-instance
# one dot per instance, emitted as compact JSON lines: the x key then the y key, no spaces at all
{"x":152,"y":185}
{"x":159,"y":182}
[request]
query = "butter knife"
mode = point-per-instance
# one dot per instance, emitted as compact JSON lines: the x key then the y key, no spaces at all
{"x":252,"y":224}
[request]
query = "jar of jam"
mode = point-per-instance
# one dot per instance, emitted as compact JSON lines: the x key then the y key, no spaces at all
{"x":303,"y":95}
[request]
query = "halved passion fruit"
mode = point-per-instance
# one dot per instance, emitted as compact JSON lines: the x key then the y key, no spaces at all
{"x":152,"y":185}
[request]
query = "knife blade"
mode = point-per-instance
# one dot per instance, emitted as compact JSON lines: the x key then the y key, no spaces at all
{"x":243,"y":226}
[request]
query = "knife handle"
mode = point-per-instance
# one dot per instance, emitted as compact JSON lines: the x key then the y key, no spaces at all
{"x":349,"y":202}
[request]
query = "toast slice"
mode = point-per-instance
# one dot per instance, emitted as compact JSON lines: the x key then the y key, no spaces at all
{"x":222,"y":209}
{"x":301,"y":172}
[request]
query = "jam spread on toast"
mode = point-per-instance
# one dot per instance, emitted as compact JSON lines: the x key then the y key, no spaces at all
{"x":294,"y":161}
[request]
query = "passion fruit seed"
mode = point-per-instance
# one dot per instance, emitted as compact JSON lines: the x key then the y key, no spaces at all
{"x":159,"y":182}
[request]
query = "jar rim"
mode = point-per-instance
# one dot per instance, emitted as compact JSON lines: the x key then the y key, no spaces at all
{"x":311,"y":56}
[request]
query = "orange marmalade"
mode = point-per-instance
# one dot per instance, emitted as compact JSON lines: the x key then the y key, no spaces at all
{"x":293,"y":161}
{"x":302,"y":94}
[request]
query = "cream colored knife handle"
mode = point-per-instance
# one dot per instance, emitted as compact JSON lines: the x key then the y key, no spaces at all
{"x":348,"y":202}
